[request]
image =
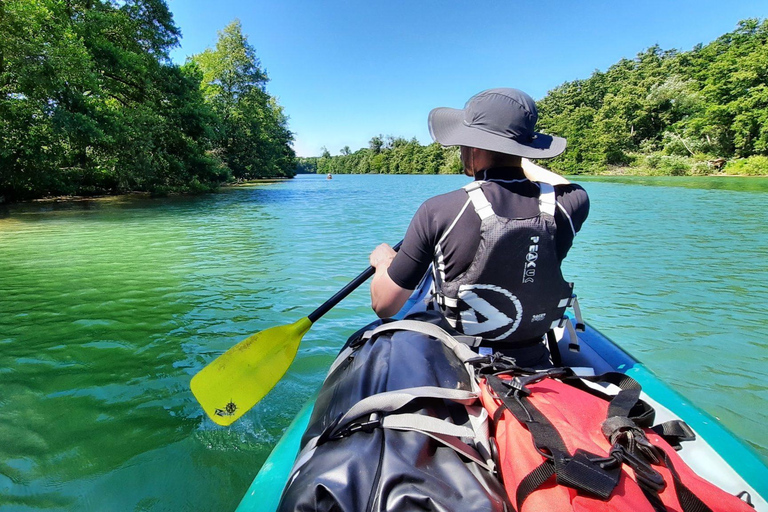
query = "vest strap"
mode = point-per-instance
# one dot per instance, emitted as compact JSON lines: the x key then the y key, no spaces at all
{"x":447,"y":302}
{"x":547,"y":201}
{"x":479,"y":201}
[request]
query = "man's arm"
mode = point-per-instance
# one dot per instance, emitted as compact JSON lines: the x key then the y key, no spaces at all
{"x":387,"y":298}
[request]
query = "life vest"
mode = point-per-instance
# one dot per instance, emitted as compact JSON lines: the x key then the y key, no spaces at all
{"x":567,"y":447}
{"x":513,"y":291}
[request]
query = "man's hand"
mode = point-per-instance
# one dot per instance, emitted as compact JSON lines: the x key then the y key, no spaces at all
{"x":382,"y":255}
{"x":386,"y":297}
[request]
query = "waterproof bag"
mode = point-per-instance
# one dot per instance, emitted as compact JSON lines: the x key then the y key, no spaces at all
{"x":393,"y":429}
{"x":566,"y":445}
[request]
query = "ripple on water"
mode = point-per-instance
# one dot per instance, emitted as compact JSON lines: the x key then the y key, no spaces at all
{"x":107,"y":311}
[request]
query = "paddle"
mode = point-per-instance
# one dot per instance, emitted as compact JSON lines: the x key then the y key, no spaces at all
{"x":235,"y":381}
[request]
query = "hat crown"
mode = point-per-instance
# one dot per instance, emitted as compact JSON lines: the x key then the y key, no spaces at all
{"x":506,"y":112}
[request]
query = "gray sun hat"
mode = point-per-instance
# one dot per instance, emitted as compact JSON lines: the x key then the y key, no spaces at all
{"x":499,"y":120}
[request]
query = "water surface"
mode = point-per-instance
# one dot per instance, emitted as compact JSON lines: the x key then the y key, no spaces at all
{"x":107,"y":308}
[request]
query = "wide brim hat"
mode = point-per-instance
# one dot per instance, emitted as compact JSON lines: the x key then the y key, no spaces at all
{"x":501,"y":120}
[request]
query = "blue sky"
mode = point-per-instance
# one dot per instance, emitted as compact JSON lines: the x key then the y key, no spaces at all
{"x":345,"y":71}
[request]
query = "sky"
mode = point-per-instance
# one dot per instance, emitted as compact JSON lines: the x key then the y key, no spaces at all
{"x":345,"y":71}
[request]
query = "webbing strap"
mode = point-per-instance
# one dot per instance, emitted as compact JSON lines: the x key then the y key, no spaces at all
{"x":482,"y":206}
{"x":674,"y":432}
{"x":654,"y":499}
{"x":461,"y":350}
{"x":554,"y":349}
{"x":580,"y":325}
{"x":626,"y":403}
{"x":447,"y":302}
{"x":688,"y":500}
{"x":533,"y":481}
{"x":446,"y":433}
{"x":547,"y":201}
{"x":545,"y":435}
{"x":626,"y":399}
{"x":390,"y":401}
{"x":426,"y":424}
{"x":573,"y":338}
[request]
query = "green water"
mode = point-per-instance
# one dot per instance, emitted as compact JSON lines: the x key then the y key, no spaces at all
{"x":107,"y":308}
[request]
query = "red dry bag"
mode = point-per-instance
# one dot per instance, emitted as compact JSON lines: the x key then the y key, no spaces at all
{"x":563,"y":446}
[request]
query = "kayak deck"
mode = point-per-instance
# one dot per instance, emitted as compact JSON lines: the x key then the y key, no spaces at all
{"x":715,"y":455}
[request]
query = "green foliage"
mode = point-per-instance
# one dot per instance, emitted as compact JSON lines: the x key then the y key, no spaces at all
{"x":252,"y":132}
{"x":756,"y":165}
{"x":663,"y":113}
{"x":712,"y":100}
{"x":386,"y":155}
{"x":90,"y":103}
{"x":669,"y":165}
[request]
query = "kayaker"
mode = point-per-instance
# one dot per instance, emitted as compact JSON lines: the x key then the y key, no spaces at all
{"x":496,"y":244}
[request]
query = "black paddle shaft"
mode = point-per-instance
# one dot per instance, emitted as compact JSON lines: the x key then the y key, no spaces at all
{"x":342,"y":294}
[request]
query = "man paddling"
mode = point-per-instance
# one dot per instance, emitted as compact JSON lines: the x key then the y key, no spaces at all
{"x":497,"y":243}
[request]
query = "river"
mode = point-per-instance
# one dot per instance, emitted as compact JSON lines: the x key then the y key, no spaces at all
{"x":108,"y":307}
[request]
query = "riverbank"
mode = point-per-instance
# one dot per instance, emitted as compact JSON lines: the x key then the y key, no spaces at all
{"x":614,"y":172}
{"x":136,"y":194}
{"x":260,"y":181}
{"x":640,"y":173}
{"x":656,"y":164}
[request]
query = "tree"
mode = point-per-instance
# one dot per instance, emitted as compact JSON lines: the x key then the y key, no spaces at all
{"x":252,"y":136}
{"x":90,"y":103}
{"x":375,"y":144}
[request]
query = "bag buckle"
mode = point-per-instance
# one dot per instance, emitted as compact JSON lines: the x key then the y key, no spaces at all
{"x":646,"y":475}
{"x":362,"y":426}
{"x":519,"y":382}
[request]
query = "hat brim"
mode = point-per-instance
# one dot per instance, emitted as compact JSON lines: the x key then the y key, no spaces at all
{"x":446,"y":125}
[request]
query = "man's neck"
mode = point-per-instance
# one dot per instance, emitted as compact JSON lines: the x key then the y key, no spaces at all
{"x":502,"y":172}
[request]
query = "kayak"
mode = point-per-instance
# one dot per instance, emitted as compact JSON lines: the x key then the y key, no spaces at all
{"x":716,"y":454}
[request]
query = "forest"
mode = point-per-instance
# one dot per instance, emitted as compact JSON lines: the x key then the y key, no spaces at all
{"x":385,"y":155}
{"x":91,"y":103}
{"x":665,"y":112}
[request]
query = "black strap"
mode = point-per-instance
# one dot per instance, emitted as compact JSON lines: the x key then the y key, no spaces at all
{"x":545,"y":436}
{"x":571,"y":470}
{"x":674,"y":432}
{"x":622,"y":403}
{"x":626,"y":403}
{"x":581,"y":471}
{"x":533,"y":481}
{"x":688,"y":500}
{"x":654,"y":499}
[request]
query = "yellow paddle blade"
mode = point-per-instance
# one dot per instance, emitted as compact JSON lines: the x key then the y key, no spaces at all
{"x":235,"y":381}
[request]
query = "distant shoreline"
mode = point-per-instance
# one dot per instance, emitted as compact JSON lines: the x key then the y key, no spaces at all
{"x":108,"y":197}
{"x":147,"y":195}
{"x":620,"y":174}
